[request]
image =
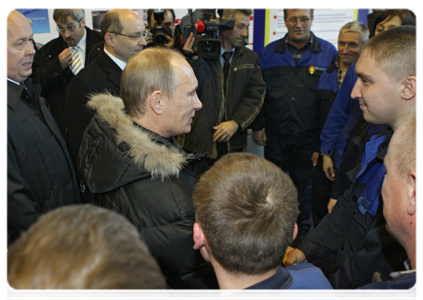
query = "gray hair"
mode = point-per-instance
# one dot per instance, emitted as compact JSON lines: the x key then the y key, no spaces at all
{"x":357,"y":27}
{"x":62,"y":14}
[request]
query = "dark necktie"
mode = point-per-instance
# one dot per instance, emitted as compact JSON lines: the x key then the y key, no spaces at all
{"x":226,"y":56}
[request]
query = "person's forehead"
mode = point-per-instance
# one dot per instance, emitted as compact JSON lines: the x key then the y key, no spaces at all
{"x":20,"y":29}
{"x":168,"y":16}
{"x":298,"y":13}
{"x":349,"y":36}
{"x":68,"y":20}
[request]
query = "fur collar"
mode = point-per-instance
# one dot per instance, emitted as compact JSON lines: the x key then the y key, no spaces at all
{"x":155,"y":158}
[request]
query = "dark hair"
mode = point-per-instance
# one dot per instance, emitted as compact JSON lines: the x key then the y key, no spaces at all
{"x":150,"y":15}
{"x":62,"y":14}
{"x":82,"y":247}
{"x":407,"y":17}
{"x":247,"y":207}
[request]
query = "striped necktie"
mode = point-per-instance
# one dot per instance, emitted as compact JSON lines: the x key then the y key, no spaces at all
{"x":76,"y":63}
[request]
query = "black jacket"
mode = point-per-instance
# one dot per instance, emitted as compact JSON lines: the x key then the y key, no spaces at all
{"x":102,"y":75}
{"x":144,"y":176}
{"x":40,"y":176}
{"x":242,"y":102}
{"x":358,"y":238}
{"x":54,"y":81}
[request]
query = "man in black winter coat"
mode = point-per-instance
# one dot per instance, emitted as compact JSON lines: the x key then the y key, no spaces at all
{"x":40,"y":176}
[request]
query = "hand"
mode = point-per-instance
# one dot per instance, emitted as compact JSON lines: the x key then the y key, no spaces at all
{"x":288,"y":249}
{"x":170,"y":43}
{"x":331,"y":204}
{"x":224,"y":131}
{"x":65,"y":58}
{"x":314,"y":158}
{"x":294,"y":257}
{"x":328,"y":167}
{"x":189,"y":43}
{"x":259,"y":137}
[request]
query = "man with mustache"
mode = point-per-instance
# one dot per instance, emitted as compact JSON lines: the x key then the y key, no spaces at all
{"x":40,"y":176}
{"x":58,"y":61}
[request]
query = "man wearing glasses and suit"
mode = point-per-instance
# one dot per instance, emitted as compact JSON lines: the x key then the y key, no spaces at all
{"x":57,"y":62}
{"x":123,"y":33}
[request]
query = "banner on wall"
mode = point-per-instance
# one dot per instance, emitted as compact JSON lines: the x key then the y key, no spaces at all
{"x":38,"y":18}
{"x":326,"y":23}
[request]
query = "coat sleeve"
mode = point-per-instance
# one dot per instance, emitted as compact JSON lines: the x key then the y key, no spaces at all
{"x":252,"y":99}
{"x":48,"y":73}
{"x":326,"y":238}
{"x":338,"y":115}
{"x":22,"y":209}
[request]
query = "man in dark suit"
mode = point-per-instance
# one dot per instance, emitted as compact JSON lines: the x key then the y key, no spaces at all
{"x":53,"y":63}
{"x":40,"y":176}
{"x":123,"y":33}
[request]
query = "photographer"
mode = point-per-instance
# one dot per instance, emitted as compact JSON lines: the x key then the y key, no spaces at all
{"x":166,"y":26}
{"x":230,"y":102}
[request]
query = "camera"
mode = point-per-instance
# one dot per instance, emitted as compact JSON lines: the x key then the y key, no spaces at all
{"x":159,"y":31}
{"x":206,"y":31}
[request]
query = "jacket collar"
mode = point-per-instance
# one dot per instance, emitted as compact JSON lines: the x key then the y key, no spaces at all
{"x":314,"y":46}
{"x":147,"y":150}
{"x":14,"y":92}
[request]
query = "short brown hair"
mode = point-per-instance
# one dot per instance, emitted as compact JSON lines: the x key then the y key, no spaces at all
{"x":148,"y":71}
{"x":285,"y":12}
{"x":62,"y":14}
{"x":403,"y":150}
{"x":394,"y":50}
{"x":247,"y":207}
{"x":82,"y":247}
{"x":111,"y":22}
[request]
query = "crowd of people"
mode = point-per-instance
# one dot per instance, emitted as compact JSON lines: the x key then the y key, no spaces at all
{"x":126,"y":167}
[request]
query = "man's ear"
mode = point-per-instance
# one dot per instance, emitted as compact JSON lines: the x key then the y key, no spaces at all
{"x":200,"y":242}
{"x":295,"y":232}
{"x":109,"y":39}
{"x":409,"y":90}
{"x":82,"y":22}
{"x":411,"y":192}
{"x":156,"y":102}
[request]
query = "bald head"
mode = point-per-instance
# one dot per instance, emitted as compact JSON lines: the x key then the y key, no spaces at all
{"x":122,"y":31}
{"x":20,"y":49}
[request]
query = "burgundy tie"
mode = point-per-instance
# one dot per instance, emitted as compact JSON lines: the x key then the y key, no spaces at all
{"x":226,"y":57}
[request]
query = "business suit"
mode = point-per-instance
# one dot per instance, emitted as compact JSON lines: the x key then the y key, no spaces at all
{"x":40,"y":176}
{"x":54,"y":80}
{"x":102,"y":75}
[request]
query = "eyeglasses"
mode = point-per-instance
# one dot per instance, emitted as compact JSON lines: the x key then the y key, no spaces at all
{"x":294,"y":20}
{"x":136,"y":37}
{"x":71,"y":28}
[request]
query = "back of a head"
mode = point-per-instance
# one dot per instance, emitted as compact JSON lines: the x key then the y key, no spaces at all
{"x":394,"y":50}
{"x":247,"y":208}
{"x":111,"y":22}
{"x":82,"y":247}
{"x":148,"y":71}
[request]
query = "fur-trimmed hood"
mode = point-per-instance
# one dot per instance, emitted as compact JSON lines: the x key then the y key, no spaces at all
{"x":115,"y":141}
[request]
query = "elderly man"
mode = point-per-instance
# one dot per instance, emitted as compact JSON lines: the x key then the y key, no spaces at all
{"x":85,"y":247}
{"x":123,"y":33}
{"x":130,"y":161}
{"x":291,"y":70}
{"x":58,"y":61}
{"x":40,"y":176}
{"x":399,"y":199}
{"x":355,"y":230}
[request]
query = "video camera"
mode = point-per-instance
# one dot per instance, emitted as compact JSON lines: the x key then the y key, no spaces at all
{"x":206,"y":31}
{"x":159,"y":31}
